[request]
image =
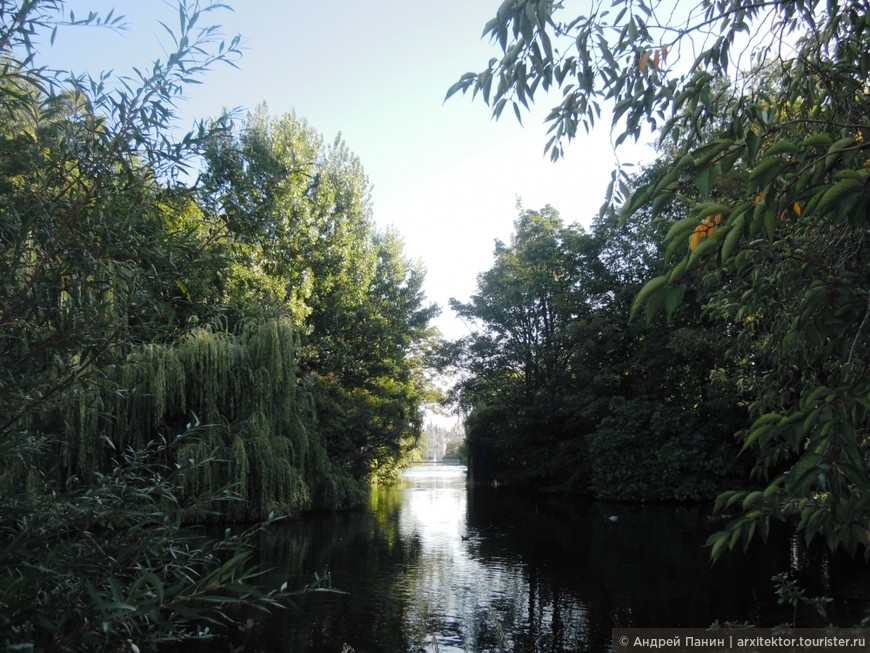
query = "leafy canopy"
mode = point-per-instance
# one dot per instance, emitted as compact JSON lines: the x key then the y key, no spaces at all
{"x":761,"y":111}
{"x":90,"y":271}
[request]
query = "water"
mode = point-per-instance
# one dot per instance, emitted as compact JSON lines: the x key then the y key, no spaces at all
{"x":433,"y":566}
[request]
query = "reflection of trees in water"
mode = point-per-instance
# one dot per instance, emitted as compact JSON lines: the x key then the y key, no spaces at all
{"x":533,"y":618}
{"x":584,"y":574}
{"x":500,"y":606}
{"x":533,"y":575}
{"x":365,"y":557}
{"x":480,"y":594}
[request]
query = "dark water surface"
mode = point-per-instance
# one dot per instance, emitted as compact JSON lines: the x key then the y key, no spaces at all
{"x":435,"y":566}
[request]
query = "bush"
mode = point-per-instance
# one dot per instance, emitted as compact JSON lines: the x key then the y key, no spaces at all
{"x":109,"y":564}
{"x":647,"y":450}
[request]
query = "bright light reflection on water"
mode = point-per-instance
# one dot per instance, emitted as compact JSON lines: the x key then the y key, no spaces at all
{"x":461,"y":600}
{"x":436,"y":566}
{"x":448,"y":585}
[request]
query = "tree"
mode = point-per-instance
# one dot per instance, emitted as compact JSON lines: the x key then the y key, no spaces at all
{"x":784,"y":251}
{"x":370,"y":383}
{"x":518,"y":363}
{"x":661,"y":411}
{"x":526,"y":298}
{"x":92,"y":274}
{"x":562,"y":391}
{"x":308,"y":248}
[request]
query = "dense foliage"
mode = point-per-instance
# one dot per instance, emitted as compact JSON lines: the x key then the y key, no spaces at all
{"x":232,"y":348}
{"x":306,"y":247}
{"x":762,"y":110}
{"x":562,"y":392}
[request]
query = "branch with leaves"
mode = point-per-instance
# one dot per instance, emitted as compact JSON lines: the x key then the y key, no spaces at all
{"x":767,"y":155}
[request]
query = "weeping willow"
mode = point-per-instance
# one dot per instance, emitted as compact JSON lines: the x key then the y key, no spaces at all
{"x":238,"y":398}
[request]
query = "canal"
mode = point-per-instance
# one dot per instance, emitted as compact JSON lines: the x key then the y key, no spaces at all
{"x":435,"y":566}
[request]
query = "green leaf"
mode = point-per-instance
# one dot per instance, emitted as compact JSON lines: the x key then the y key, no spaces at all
{"x":678,"y":270}
{"x":504,"y":11}
{"x":703,"y":181}
{"x":770,"y":220}
{"x":662,"y":199}
{"x":707,"y":209}
{"x":837,"y":193}
{"x":637,"y":199}
{"x":752,"y":499}
{"x":781,"y":147}
{"x":748,"y":532}
{"x":462,"y":85}
{"x":735,"y":232}
{"x":685,"y":161}
{"x":804,"y":474}
{"x":771,"y":490}
{"x":721,"y":500}
{"x":729,"y":159}
{"x":819,"y":392}
{"x":183,"y":289}
{"x":156,"y":584}
{"x":817,"y":141}
{"x":765,"y":172}
{"x":706,"y":153}
{"x":763,"y":529}
{"x":751,"y":145}
{"x":650,"y":289}
{"x":681,"y":227}
{"x":720,"y":543}
{"x":700,"y":252}
{"x":673,"y":297}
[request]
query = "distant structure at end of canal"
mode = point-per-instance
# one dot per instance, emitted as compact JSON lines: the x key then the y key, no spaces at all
{"x":442,"y":442}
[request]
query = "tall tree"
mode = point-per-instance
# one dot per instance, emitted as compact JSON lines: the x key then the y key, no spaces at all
{"x":518,"y":362}
{"x":301,"y":211}
{"x":662,"y":410}
{"x":562,"y":390}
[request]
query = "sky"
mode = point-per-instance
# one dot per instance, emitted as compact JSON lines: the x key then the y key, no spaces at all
{"x":443,"y":174}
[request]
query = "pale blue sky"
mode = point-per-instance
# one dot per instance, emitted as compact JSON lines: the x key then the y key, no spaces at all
{"x":444,"y":175}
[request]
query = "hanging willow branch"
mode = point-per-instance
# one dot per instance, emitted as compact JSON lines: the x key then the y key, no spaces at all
{"x":237,"y":392}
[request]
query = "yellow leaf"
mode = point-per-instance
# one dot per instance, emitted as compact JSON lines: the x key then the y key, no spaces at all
{"x":796,"y":207}
{"x":759,"y":197}
{"x":703,"y":230}
{"x":644,"y":58}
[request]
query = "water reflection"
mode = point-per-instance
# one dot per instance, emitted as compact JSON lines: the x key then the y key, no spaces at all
{"x":435,"y":567}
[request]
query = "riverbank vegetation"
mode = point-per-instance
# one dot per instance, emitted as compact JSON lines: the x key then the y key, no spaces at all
{"x":752,"y":317}
{"x":201,"y":326}
{"x":209,"y":326}
{"x":564,"y":393}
